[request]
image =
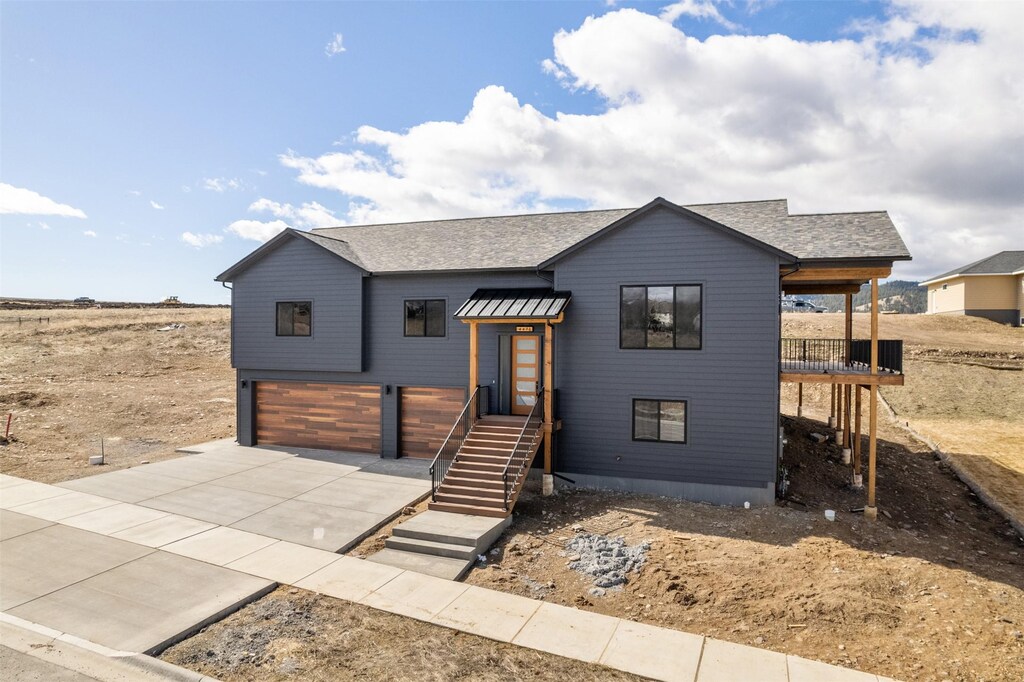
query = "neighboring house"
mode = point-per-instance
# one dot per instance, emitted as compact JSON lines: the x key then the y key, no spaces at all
{"x":639,"y":347}
{"x":992,"y":288}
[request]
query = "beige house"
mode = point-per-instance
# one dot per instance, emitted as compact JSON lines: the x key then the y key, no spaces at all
{"x":992,"y":287}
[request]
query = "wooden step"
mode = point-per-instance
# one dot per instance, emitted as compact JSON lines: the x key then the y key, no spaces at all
{"x":502,"y":419}
{"x":447,"y":488}
{"x":475,"y":474}
{"x":483,"y":467}
{"x":488,"y":446}
{"x":471,"y":500}
{"x":471,"y":458}
{"x":467,"y":509}
{"x":493,"y":482}
{"x":490,"y":442}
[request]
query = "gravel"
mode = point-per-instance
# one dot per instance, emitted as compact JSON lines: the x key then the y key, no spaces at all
{"x":607,"y":560}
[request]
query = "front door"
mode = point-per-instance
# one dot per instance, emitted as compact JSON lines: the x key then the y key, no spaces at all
{"x":525,"y":372}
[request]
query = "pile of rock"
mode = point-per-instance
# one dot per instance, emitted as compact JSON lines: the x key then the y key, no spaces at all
{"x":607,"y":560}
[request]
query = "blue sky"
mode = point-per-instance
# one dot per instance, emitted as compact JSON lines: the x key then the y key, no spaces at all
{"x":185,"y":133}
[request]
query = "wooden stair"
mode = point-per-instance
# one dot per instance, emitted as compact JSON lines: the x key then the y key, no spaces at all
{"x":473,"y":483}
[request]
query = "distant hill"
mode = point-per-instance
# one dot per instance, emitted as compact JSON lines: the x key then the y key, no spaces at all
{"x":898,"y":296}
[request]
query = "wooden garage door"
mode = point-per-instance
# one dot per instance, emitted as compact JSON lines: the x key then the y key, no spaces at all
{"x":312,"y":415}
{"x":427,"y":416}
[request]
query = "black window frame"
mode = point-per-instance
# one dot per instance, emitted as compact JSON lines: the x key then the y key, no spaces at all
{"x":424,"y":301}
{"x":675,"y":328}
{"x":277,"y":318}
{"x":659,"y":439}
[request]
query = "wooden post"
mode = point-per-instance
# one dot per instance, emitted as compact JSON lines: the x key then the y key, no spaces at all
{"x":839,"y":412}
{"x":849,"y":328}
{"x":548,"y":479}
{"x":474,"y":366}
{"x":847,"y":389}
{"x":800,"y":399}
{"x":832,"y":408}
{"x":870,"y":510}
{"x":858,"y":478}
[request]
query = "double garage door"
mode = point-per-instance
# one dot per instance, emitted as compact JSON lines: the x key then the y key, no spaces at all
{"x":347,"y":416}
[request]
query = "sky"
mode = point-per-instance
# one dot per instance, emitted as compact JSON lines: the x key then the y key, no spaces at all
{"x":145,"y":147}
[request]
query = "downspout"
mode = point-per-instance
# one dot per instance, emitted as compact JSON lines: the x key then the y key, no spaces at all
{"x":778,"y":383}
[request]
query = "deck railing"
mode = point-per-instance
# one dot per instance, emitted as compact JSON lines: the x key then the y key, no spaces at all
{"x":456,"y":437}
{"x":840,"y":355}
{"x":519,"y":458}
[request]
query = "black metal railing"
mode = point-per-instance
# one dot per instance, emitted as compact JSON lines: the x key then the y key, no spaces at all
{"x":839,"y":355}
{"x":525,"y":445}
{"x":456,"y":437}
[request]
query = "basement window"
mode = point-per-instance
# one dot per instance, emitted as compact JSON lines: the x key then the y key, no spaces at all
{"x":662,"y":421}
{"x":425,"y":317}
{"x":294,"y":318}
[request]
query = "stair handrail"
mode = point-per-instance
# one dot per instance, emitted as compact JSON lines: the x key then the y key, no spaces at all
{"x":512,"y":455}
{"x":460,"y":429}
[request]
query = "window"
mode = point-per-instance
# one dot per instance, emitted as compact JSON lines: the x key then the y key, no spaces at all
{"x":659,"y":420}
{"x":425,"y":318}
{"x":660,"y":317}
{"x":945,"y":286}
{"x":295,"y":318}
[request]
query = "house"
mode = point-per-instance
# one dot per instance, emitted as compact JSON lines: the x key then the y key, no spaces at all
{"x":631,"y":349}
{"x":992,"y":288}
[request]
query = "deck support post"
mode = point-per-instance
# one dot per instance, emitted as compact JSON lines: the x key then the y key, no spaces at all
{"x":800,"y":399}
{"x":858,"y":478}
{"x":847,"y":360}
{"x":870,"y":510}
{"x":474,"y":368}
{"x":548,"y":480}
{"x":839,"y":414}
{"x":832,"y":408}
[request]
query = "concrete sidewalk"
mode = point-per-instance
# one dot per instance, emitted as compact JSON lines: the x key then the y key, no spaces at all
{"x":655,"y":652}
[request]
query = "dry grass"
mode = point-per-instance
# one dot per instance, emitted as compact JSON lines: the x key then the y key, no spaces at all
{"x":107,"y":373}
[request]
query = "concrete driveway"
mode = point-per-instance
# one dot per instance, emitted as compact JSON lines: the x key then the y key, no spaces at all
{"x":137,"y":559}
{"x":320,"y":499}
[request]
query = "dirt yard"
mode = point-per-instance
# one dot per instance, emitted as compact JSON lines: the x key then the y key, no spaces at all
{"x":96,"y":373}
{"x":293,"y":634}
{"x":934,"y":590}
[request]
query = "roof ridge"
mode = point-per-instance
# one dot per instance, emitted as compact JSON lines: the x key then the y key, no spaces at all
{"x":800,"y":215}
{"x":479,"y":217}
{"x":734,"y":203}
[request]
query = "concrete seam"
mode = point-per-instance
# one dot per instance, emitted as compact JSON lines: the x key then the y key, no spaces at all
{"x":604,"y":650}
{"x":700,"y":658}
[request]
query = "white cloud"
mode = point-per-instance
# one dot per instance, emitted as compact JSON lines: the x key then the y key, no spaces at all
{"x":156,"y":205}
{"x":201,"y":240}
{"x":927,"y":127}
{"x":222,"y":184}
{"x":335,"y":46}
{"x":43,"y":226}
{"x":25,"y":201}
{"x":698,"y":9}
{"x":303,"y":217}
{"x":256,"y":230}
{"x":135,"y":192}
{"x":89,"y":233}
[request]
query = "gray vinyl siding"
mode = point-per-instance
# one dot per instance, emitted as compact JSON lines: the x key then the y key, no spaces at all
{"x":298,"y":271}
{"x":392,"y":359}
{"x":730,"y":385}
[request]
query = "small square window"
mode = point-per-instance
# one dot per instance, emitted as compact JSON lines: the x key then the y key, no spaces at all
{"x":425,"y":317}
{"x":294,"y":318}
{"x":659,"y":420}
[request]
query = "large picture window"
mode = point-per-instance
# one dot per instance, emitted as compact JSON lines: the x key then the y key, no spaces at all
{"x":659,"y":420}
{"x":295,"y":318}
{"x":425,"y":317}
{"x":663,"y":317}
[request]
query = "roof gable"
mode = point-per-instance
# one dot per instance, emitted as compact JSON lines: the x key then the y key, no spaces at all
{"x":335,"y":247}
{"x":660,"y":202}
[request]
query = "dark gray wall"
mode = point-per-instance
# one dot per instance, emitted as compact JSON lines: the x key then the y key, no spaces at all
{"x":298,"y":271}
{"x":731,"y":385}
{"x":390,"y":358}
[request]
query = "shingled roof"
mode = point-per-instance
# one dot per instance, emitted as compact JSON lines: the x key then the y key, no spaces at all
{"x":525,"y":241}
{"x":1002,"y":263}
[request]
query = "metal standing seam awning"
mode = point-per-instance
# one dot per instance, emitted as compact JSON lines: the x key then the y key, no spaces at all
{"x":497,"y":305}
